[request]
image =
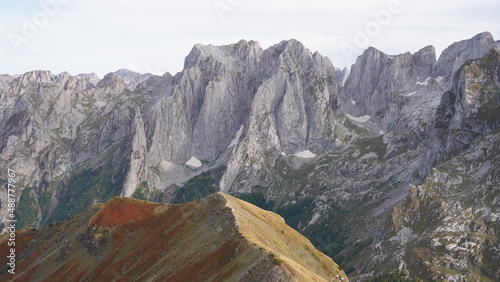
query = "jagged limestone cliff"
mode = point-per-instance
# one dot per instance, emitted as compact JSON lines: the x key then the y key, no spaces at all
{"x":274,"y":126}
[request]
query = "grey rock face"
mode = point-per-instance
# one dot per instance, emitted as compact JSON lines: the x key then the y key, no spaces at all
{"x":52,"y":122}
{"x":156,"y":85}
{"x":444,"y":220}
{"x":402,"y":92}
{"x":207,"y":103}
{"x":87,"y":81}
{"x":447,"y":219}
{"x":424,"y":60}
{"x":109,"y":87}
{"x":132,"y":79}
{"x":453,"y":57}
{"x":241,"y":88}
{"x":137,"y":158}
{"x":376,"y":81}
{"x":295,"y":109}
{"x":272,"y":122}
{"x":342,"y":75}
{"x":468,"y":111}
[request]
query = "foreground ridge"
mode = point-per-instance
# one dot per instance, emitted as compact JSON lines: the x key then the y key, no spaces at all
{"x":217,"y":238}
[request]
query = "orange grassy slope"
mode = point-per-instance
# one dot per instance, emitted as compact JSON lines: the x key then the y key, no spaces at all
{"x":218,"y":238}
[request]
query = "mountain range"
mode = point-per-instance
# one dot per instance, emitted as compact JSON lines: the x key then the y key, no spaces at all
{"x":391,"y":165}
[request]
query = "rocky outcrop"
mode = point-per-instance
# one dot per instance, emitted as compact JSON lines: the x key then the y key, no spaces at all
{"x":468,"y":111}
{"x":53,"y":123}
{"x":447,"y":227}
{"x":132,"y":79}
{"x":424,"y":60}
{"x":377,"y":81}
{"x":241,"y":90}
{"x":342,"y":76}
{"x":295,"y":109}
{"x":137,"y":158}
{"x":389,"y":89}
{"x":209,"y":102}
{"x":453,"y":57}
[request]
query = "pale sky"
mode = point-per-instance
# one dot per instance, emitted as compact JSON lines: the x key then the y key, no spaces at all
{"x":102,"y":36}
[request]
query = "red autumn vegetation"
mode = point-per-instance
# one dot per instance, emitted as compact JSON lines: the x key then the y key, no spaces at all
{"x":122,"y":211}
{"x":129,"y":239}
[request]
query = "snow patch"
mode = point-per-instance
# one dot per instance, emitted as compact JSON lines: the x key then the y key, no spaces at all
{"x":314,"y":218}
{"x":368,"y":156}
{"x":194,"y":162}
{"x":100,"y":104}
{"x":236,"y":139}
{"x":426,"y":82}
{"x":353,"y":102}
{"x":450,"y":247}
{"x":361,"y":119}
{"x":305,"y":154}
{"x":436,"y":243}
{"x":411,"y":94}
{"x":283,"y":154}
{"x":381,"y":132}
{"x":439,"y":78}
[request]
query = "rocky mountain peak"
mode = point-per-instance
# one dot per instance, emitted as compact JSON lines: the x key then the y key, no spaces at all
{"x":373,"y":81}
{"x":87,"y":81}
{"x":456,"y":54}
{"x":63,"y":76}
{"x":124,"y":72}
{"x":37,"y":76}
{"x":92,"y":76}
{"x":484,"y":38}
{"x":425,"y":56}
{"x":424,"y":59}
{"x":110,"y":80}
{"x":467,"y":111}
{"x":132,"y":79}
{"x":223,"y":54}
{"x":5,"y":80}
{"x":291,"y":45}
{"x":111,"y":86}
{"x":372,"y":54}
{"x":157,"y":85}
{"x":247,"y":47}
{"x":384,"y":89}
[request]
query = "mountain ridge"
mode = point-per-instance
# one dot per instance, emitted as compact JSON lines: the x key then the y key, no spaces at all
{"x":132,"y":239}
